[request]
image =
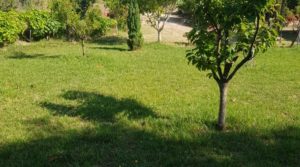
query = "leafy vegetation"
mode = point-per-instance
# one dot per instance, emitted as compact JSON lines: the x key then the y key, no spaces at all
{"x":11,"y":26}
{"x":119,"y":12}
{"x":98,"y":24}
{"x":144,"y":108}
{"x":40,"y":24}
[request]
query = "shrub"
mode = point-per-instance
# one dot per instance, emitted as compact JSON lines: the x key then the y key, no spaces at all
{"x":65,"y":12}
{"x":99,"y":25}
{"x":118,"y":11}
{"x":40,"y":24}
{"x":10,"y":27}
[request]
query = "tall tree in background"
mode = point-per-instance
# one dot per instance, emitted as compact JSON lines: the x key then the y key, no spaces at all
{"x":227,"y":39}
{"x":135,"y":36}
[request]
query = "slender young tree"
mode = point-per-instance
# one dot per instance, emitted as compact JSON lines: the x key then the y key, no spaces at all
{"x":135,"y":36}
{"x":228,"y":34}
{"x":158,"y":13}
{"x":82,"y":31}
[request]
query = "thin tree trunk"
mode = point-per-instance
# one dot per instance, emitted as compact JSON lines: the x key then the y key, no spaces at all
{"x":282,"y":8}
{"x":82,"y":45}
{"x":158,"y":36}
{"x":298,"y":36}
{"x":30,"y":35}
{"x":222,"y":110}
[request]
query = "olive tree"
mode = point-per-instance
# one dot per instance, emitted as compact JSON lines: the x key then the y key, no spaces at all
{"x":227,"y":34}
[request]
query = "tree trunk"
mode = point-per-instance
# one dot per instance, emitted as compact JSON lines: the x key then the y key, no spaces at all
{"x":30,"y":35}
{"x":158,"y":36}
{"x":222,"y":110}
{"x":298,"y":36}
{"x":82,"y":45}
{"x":282,"y":8}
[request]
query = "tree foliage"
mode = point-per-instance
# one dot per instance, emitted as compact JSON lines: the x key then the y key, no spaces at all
{"x":40,"y":24}
{"x":187,"y":6}
{"x":65,"y":12}
{"x":11,"y":26}
{"x":118,"y":10}
{"x":98,"y":24}
{"x":83,"y":6}
{"x":226,"y":39}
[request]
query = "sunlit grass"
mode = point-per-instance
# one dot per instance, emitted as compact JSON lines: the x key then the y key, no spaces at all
{"x":143,"y":108}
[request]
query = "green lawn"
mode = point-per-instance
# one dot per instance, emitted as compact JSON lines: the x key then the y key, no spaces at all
{"x":147,"y":108}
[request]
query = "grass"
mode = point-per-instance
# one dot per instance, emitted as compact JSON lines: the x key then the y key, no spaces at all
{"x":145,"y":108}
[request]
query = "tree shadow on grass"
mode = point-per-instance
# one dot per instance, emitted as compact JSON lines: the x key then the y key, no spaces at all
{"x":289,"y":35}
{"x":111,"y":40}
{"x":117,"y":144}
{"x":98,"y":107}
{"x":110,"y":48}
{"x":22,"y":55}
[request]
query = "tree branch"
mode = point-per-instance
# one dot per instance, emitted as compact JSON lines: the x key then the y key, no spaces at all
{"x":250,"y":54}
{"x":164,"y":22}
{"x":218,"y":43}
{"x":215,"y":76}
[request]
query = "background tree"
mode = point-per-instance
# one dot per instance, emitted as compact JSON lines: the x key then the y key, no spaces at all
{"x":227,"y":39}
{"x":65,"y":12}
{"x":118,"y":10}
{"x":135,"y":36}
{"x":83,"y":6}
{"x":187,"y":7}
{"x":82,"y":30}
{"x":158,"y":13}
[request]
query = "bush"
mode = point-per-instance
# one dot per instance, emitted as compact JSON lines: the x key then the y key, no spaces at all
{"x":118,"y":11}
{"x":40,"y":24}
{"x":65,"y":12}
{"x":99,"y":25}
{"x":11,"y":26}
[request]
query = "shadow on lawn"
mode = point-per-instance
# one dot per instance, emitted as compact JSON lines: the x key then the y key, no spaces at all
{"x":98,"y":107}
{"x":115,"y":144}
{"x":22,"y":55}
{"x":289,"y":35}
{"x":110,"y":48}
{"x":111,"y":40}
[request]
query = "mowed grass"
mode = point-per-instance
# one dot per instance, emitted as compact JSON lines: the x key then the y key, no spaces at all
{"x":147,"y":108}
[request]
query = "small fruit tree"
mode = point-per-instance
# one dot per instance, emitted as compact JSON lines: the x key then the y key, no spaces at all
{"x":227,"y":34}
